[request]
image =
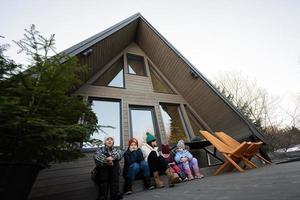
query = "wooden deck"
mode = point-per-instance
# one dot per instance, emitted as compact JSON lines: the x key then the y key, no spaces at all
{"x":71,"y":180}
{"x":68,"y":181}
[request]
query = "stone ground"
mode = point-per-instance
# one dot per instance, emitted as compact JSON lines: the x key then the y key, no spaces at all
{"x":278,"y":181}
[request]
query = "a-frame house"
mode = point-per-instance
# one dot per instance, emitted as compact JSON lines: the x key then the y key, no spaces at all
{"x":139,"y":82}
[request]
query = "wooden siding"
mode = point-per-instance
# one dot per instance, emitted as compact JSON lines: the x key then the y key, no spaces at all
{"x":105,"y":50}
{"x":207,"y":104}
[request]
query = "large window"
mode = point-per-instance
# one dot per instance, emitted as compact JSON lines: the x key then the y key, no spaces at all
{"x":159,"y":85}
{"x":136,"y":65}
{"x":113,"y":77}
{"x":172,"y":119}
{"x":109,"y":118}
{"x":142,"y":120}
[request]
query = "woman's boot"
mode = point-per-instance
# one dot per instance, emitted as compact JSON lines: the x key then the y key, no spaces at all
{"x":102,"y":193}
{"x":172,"y":180}
{"x":158,"y":182}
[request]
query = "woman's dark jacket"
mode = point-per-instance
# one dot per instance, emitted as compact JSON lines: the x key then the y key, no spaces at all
{"x":131,"y":157}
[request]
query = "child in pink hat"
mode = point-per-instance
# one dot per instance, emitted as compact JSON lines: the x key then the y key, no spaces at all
{"x":169,"y":158}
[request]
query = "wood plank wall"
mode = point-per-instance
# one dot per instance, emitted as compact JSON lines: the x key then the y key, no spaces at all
{"x":108,"y":48}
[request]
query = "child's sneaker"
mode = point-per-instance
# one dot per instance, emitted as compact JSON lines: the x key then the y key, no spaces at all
{"x":185,"y":179}
{"x":199,"y":176}
{"x":188,"y":173}
{"x":190,"y":177}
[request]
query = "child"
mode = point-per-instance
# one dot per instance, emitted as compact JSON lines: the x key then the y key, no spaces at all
{"x":186,"y":161}
{"x":169,"y":158}
{"x":157,"y":163}
{"x":107,"y":165}
{"x":134,"y":162}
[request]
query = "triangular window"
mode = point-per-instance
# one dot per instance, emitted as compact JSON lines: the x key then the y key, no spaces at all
{"x":113,"y":77}
{"x":159,"y":85}
{"x":136,"y":65}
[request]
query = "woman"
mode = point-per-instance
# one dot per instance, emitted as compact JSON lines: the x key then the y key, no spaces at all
{"x":107,"y":165}
{"x":134,"y":163}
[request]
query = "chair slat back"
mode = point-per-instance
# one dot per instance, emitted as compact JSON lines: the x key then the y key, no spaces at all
{"x":227,"y":139}
{"x":241,"y":149}
{"x":223,"y":148}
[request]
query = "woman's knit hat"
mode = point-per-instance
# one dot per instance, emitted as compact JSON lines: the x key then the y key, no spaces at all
{"x":165,"y":149}
{"x":180,"y":144}
{"x":133,"y":140}
{"x":150,"y":138}
{"x":107,"y":137}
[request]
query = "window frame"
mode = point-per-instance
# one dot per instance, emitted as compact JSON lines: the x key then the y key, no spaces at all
{"x":182,"y":119}
{"x":154,"y":120}
{"x":122,"y":57}
{"x":142,"y":59}
{"x":90,"y":100}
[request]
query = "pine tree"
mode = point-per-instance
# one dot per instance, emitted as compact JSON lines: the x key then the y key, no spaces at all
{"x":39,"y":114}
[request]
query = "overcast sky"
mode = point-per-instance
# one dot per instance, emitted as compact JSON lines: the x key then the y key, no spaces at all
{"x":259,"y":38}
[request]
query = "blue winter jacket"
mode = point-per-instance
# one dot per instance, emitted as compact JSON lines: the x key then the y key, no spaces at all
{"x":182,"y":154}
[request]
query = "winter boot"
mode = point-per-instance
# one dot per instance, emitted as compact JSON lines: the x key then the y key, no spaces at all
{"x":188,"y":173}
{"x":147,"y":184}
{"x":183,"y":176}
{"x":171,"y":178}
{"x":197,"y":172}
{"x":128,"y":187}
{"x":158,"y":182}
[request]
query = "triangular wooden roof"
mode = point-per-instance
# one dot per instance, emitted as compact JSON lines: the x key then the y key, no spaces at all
{"x":197,"y":90}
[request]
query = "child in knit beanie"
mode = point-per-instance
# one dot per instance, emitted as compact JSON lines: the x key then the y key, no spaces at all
{"x":187,"y":162}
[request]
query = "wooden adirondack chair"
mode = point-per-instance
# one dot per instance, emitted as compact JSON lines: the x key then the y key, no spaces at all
{"x":232,"y":155}
{"x":252,"y":151}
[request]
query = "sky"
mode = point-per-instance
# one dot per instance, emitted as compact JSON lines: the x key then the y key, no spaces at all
{"x":258,"y":38}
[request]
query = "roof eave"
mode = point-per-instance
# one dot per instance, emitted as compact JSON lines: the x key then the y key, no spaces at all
{"x":81,"y":46}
